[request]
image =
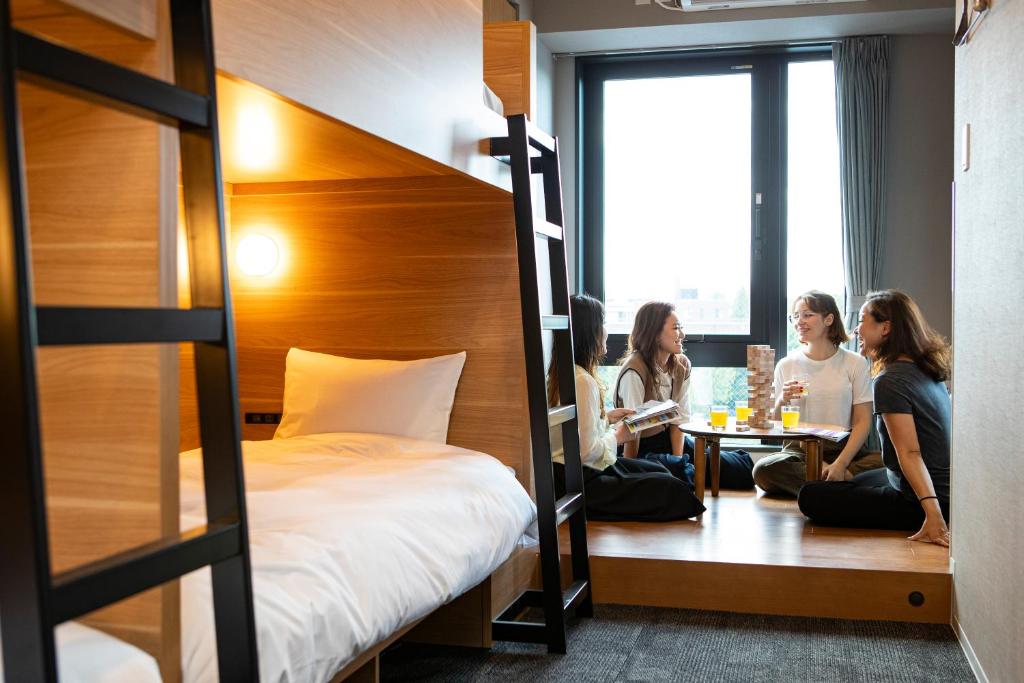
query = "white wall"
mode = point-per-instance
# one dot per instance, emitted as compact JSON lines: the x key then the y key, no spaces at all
{"x":988,"y":513}
{"x":918,"y":242}
{"x":564,"y":114}
{"x":545,"y":87}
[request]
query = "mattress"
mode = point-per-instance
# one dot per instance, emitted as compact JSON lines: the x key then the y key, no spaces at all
{"x":85,"y":655}
{"x":352,"y":536}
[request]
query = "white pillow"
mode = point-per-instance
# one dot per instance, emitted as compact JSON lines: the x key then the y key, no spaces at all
{"x":324,"y":393}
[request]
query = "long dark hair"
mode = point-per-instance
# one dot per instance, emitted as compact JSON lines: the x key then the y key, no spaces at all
{"x":647,"y":326}
{"x":909,"y":335}
{"x":587,"y":341}
{"x":824,"y":305}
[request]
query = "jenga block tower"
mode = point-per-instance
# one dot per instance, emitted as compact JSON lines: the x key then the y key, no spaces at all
{"x":760,"y":375}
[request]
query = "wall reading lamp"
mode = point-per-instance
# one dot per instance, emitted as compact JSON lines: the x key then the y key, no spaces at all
{"x":257,"y":255}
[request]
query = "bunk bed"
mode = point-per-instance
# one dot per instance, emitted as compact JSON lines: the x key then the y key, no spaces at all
{"x":395,"y":241}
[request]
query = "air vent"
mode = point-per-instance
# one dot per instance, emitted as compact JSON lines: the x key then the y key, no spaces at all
{"x":704,"y":5}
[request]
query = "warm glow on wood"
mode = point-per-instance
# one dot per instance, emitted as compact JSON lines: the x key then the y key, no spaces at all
{"x":256,"y":144}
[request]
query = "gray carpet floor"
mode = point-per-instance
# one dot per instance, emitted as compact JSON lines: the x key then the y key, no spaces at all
{"x":654,"y":644}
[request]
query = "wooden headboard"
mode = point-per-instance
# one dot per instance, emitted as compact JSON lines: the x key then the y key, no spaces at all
{"x":397,"y":268}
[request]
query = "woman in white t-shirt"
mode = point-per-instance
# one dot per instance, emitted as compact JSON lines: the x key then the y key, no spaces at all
{"x":830,"y":385}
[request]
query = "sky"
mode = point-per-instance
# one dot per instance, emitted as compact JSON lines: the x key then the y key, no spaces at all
{"x":678,"y":189}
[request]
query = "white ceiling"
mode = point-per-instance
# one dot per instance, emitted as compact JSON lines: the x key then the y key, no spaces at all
{"x":762,"y":30}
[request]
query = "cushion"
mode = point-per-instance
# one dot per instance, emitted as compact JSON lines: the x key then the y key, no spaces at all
{"x":324,"y":393}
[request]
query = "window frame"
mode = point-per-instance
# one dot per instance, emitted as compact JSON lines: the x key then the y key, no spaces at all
{"x":768,"y":68}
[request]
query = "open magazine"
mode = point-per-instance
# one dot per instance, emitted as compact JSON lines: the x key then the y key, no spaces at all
{"x":830,"y":434}
{"x":652,"y":414}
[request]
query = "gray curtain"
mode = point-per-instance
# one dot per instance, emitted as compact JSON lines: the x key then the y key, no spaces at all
{"x":862,"y":90}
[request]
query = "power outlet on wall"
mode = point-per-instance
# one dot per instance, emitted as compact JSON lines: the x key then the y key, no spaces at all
{"x":965,"y":148}
{"x":262,"y":418}
{"x":642,"y":2}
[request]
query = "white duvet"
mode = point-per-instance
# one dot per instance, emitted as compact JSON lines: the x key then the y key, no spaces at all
{"x":85,"y":655}
{"x":353,"y":536}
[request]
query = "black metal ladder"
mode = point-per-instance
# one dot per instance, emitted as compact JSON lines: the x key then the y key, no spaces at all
{"x":33,"y":601}
{"x":523,"y":138}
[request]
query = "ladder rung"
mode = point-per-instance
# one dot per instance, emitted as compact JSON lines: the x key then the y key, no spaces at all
{"x":554,"y":322}
{"x":94,"y":585}
{"x":539,"y":140}
{"x":58,"y":326}
{"x":567,"y":506}
{"x":542,"y":164}
{"x":505,"y":627}
{"x":500,"y":148}
{"x":56,"y":63}
{"x":557,"y":416}
{"x":549,"y":230}
{"x":574,"y":594}
{"x":519,"y":631}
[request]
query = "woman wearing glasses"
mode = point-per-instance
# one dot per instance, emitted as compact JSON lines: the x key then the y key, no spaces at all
{"x":831,"y":386}
{"x":655,"y":369}
{"x":911,"y":363}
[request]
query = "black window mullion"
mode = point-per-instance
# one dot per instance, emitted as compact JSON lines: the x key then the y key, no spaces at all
{"x":590,"y":217}
{"x":773,"y":210}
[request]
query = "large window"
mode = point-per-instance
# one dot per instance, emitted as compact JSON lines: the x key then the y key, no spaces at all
{"x":673,"y":192}
{"x":710,"y":180}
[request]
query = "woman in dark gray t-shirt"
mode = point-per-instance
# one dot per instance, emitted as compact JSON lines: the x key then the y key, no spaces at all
{"x":912,"y":408}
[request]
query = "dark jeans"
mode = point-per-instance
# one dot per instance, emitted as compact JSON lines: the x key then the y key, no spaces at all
{"x":869,"y":501}
{"x":735,"y":469}
{"x":633,"y":490}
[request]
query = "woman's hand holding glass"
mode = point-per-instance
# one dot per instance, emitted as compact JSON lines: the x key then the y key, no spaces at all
{"x":791,"y":391}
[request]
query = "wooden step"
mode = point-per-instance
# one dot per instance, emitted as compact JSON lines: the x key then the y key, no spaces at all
{"x":754,"y":554}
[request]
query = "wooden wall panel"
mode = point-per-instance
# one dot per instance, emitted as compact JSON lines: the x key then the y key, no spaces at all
{"x":120,"y":31}
{"x":398,"y":268}
{"x":499,"y":10}
{"x":101,"y":218}
{"x":137,"y":16}
{"x":510,"y":65}
{"x":407,"y":71}
{"x":265,"y":137}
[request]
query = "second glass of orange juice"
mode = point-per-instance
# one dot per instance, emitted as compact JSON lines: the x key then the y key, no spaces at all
{"x":719,"y":417}
{"x":790,"y":417}
{"x":743,"y":411}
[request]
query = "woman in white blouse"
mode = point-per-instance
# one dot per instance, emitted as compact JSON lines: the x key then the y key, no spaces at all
{"x":615,"y":488}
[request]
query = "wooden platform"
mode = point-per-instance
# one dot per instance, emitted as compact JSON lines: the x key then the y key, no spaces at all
{"x":757,"y":554}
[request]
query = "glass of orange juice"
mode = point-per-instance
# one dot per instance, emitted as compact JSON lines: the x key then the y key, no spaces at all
{"x":719,"y":417}
{"x":790,"y":417}
{"x":743,"y":412}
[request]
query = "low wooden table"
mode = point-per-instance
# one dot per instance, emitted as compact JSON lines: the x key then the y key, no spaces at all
{"x":704,"y":435}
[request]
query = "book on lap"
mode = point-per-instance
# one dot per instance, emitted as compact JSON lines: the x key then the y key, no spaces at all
{"x":652,"y":414}
{"x":829,"y":434}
